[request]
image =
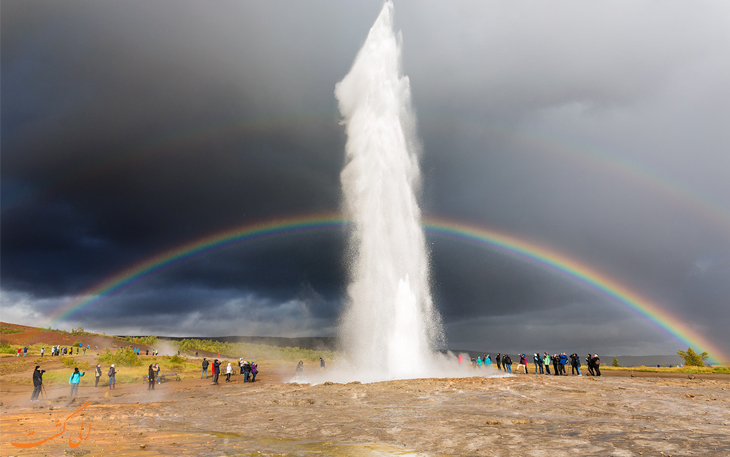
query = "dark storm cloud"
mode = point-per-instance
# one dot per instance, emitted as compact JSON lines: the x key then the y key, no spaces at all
{"x":129,"y":128}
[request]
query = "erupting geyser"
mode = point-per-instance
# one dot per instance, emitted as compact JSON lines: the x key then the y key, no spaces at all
{"x":390,"y":328}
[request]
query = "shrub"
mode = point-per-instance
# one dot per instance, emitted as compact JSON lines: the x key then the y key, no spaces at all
{"x":692,"y":358}
{"x":7,"y":330}
{"x":71,"y":363}
{"x":125,"y":357}
{"x":146,"y":340}
{"x":6,"y":349}
{"x":174,"y":362}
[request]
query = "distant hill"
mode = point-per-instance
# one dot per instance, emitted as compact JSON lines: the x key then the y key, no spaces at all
{"x":316,"y":343}
{"x":646,"y":360}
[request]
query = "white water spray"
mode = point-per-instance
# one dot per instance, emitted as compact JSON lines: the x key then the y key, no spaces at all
{"x":390,"y":328}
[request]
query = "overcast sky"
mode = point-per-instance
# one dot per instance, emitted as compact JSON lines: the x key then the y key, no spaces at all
{"x":599,"y":130}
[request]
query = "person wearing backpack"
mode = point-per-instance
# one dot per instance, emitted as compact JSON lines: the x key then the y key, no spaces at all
{"x":204,"y":374}
{"x":507,"y":363}
{"x":112,"y":377}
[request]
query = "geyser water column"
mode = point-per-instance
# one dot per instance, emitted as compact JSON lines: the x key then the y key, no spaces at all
{"x":389,"y":328}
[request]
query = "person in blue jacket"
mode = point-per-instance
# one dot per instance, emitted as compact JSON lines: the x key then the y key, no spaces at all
{"x":74,"y":380}
{"x":563,"y":361}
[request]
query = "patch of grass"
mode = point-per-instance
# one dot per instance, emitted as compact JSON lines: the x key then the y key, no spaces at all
{"x":7,"y":349}
{"x":146,"y":340}
{"x":685,"y":369}
{"x":125,"y":357}
{"x":8,"y":330}
{"x":255,"y":351}
{"x":71,"y":363}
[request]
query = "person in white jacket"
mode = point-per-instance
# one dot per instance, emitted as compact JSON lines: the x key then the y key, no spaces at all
{"x":229,"y":370}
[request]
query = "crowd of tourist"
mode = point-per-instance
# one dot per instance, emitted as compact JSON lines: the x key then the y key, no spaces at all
{"x":248,"y":369}
{"x":541,"y":363}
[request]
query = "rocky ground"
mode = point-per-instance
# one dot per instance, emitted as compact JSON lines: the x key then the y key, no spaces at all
{"x":491,"y":416}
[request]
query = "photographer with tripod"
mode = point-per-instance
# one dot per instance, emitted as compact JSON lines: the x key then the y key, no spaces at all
{"x":37,"y":382}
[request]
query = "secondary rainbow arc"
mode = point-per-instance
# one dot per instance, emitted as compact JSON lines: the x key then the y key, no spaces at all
{"x":511,"y":245}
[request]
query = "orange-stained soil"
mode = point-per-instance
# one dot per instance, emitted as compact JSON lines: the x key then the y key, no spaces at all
{"x":521,"y":415}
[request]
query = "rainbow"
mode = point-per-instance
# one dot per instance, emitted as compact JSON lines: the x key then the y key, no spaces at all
{"x":513,"y":246}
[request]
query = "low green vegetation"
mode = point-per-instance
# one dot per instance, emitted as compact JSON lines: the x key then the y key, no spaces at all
{"x":146,"y":340}
{"x":684,"y":369}
{"x":7,"y":349}
{"x":125,"y":357}
{"x":75,"y":363}
{"x":8,"y":330}
{"x":692,"y":358}
{"x":254,"y":351}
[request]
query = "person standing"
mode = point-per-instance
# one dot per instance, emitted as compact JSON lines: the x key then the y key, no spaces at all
{"x":589,"y":364}
{"x":575,"y":364}
{"x":18,"y":354}
{"x":216,"y":371}
{"x":43,"y":351}
{"x":507,"y":362}
{"x":205,"y":369}
{"x":321,"y":363}
{"x":556,"y":360}
{"x":498,"y":359}
{"x":156,"y":367}
{"x":546,"y":362}
{"x":151,"y":378}
{"x":25,"y":351}
{"x":246,"y":371}
{"x":300,"y":367}
{"x":229,"y":371}
{"x":37,"y":382}
{"x":97,"y":375}
{"x":74,"y":380}
{"x":523,"y":361}
{"x":112,"y":377}
{"x":488,"y":360}
{"x":596,"y":364}
{"x":254,"y":370}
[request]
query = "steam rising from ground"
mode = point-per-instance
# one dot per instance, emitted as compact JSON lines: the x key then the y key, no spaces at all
{"x":390,"y":329}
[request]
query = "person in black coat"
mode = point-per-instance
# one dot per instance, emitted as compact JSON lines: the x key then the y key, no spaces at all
{"x":589,"y":362}
{"x":596,"y":364}
{"x":151,"y":378}
{"x":216,"y":371}
{"x":37,"y":382}
{"x":204,"y":374}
